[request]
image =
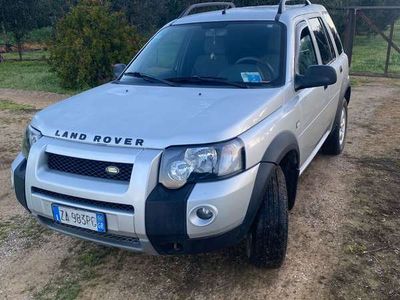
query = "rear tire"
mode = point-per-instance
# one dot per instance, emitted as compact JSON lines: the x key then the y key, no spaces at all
{"x":267,"y":240}
{"x":336,"y":141}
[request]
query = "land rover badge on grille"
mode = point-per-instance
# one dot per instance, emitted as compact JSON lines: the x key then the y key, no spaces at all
{"x":112,"y":170}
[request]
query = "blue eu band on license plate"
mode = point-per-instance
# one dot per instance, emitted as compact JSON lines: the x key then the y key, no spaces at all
{"x":79,"y":218}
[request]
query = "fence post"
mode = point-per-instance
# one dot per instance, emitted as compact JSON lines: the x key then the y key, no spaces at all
{"x":350,"y":33}
{"x":389,"y":50}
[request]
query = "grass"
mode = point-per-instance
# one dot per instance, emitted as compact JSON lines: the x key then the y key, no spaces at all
{"x":75,"y":270}
{"x":40,"y":54}
{"x":30,"y":75}
{"x":31,"y":229}
{"x":357,"y":81}
{"x":9,"y":105}
{"x":24,"y":228}
{"x":369,"y":53}
{"x":5,"y":228}
{"x":355,"y":248}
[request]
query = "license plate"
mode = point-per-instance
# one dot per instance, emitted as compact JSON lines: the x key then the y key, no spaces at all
{"x":79,"y":218}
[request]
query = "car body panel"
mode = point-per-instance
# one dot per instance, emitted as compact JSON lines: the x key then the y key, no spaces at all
{"x":160,"y":116}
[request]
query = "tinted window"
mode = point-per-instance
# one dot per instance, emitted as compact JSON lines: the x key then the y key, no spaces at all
{"x":322,"y":40}
{"x":306,"y":55}
{"x":248,"y":52}
{"x":328,"y":36}
{"x":336,"y":36}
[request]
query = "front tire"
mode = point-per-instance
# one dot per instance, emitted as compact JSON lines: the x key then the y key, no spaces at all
{"x":336,"y":141}
{"x":267,"y":240}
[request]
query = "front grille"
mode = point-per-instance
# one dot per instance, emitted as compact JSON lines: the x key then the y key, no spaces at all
{"x":87,"y":167}
{"x":81,"y":201}
{"x":104,"y":238}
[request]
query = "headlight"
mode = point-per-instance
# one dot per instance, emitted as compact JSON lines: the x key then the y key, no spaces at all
{"x":180,"y":165}
{"x":31,"y":136}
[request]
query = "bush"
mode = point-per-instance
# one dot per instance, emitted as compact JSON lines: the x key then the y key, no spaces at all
{"x":40,"y":36}
{"x":88,"y":41}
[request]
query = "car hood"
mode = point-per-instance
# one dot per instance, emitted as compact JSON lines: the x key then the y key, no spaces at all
{"x":157,"y":116}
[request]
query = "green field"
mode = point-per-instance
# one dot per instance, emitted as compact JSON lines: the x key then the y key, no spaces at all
{"x":369,"y":54}
{"x":30,"y":75}
{"x":40,"y":54}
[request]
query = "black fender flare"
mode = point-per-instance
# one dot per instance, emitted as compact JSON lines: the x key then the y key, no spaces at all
{"x":19,"y":183}
{"x":345,"y":95}
{"x":277,"y":153}
{"x":345,"y":92}
{"x":282,"y":144}
{"x":264,"y":173}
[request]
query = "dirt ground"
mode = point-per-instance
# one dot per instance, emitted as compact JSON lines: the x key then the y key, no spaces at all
{"x":344,"y":240}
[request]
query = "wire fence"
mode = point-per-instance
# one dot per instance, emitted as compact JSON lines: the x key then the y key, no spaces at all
{"x":373,"y":48}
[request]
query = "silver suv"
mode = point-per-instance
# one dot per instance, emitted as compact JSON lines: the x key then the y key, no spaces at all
{"x":199,"y":142}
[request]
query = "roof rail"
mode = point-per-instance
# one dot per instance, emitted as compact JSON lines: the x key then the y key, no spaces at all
{"x":206,"y":4}
{"x":282,"y":7}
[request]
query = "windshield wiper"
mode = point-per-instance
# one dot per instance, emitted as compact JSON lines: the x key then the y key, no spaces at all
{"x":149,"y":78}
{"x":204,"y":79}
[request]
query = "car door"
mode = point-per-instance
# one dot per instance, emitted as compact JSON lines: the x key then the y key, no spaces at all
{"x":341,"y":61}
{"x":328,"y":57}
{"x":311,"y":100}
{"x":341,"y":64}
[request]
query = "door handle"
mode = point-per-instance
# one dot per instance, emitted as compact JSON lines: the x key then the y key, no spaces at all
{"x":341,"y":69}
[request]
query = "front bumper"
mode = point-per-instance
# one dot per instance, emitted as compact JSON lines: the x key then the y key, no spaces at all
{"x":18,"y":170}
{"x":157,"y":222}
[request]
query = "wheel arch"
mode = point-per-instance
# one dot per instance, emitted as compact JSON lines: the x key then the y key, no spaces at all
{"x":347,"y":94}
{"x":285,"y":152}
{"x":290,"y":168}
{"x":281,"y":145}
{"x":345,"y":91}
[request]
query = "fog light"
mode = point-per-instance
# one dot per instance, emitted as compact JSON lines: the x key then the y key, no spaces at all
{"x":204,"y":213}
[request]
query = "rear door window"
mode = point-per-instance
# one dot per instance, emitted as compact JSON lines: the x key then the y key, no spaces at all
{"x":328,"y":36}
{"x":338,"y":42}
{"x":324,"y":44}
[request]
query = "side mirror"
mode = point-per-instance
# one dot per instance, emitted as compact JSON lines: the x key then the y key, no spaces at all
{"x":118,"y":69}
{"x":316,"y":76}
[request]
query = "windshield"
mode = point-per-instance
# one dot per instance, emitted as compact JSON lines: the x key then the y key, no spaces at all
{"x":219,"y":53}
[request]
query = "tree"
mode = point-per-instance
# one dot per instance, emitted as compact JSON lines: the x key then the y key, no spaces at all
{"x":88,"y":41}
{"x":18,"y":17}
{"x":150,"y":15}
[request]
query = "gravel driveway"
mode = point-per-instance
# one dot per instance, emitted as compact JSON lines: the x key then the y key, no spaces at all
{"x":343,"y":240}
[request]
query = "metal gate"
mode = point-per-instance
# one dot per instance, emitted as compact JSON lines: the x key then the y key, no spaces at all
{"x":392,"y":46}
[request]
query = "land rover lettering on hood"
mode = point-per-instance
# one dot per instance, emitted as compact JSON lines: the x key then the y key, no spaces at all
{"x":99,"y":139}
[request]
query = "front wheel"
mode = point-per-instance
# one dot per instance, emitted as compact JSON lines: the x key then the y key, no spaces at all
{"x":335,"y":143}
{"x":267,"y":240}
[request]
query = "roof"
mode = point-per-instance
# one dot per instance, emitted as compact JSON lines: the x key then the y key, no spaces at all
{"x":251,"y":13}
